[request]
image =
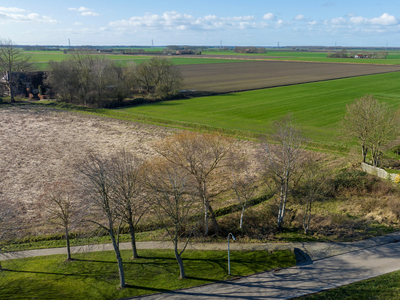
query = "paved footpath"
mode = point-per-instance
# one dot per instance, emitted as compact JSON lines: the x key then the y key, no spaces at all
{"x":313,"y":251}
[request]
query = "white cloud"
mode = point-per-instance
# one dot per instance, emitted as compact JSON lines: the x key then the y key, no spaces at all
{"x":299,"y":18}
{"x":11,"y":10}
{"x":173,"y":20}
{"x":242,"y":18}
{"x":384,"y":20}
{"x":269,"y":16}
{"x":338,"y":21}
{"x":15,"y":14}
{"x":78,"y":23}
{"x":80,"y":9}
{"x":89,"y":13}
{"x":84,"y":11}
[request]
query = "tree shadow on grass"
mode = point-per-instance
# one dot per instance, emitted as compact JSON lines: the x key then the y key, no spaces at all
{"x":96,"y":261}
{"x":138,"y":287}
{"x":202,"y":279}
{"x":47,"y":273}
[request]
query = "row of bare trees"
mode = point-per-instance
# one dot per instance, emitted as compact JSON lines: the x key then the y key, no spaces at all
{"x":95,"y":80}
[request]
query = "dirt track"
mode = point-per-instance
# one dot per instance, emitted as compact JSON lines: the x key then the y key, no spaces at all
{"x":241,"y":76}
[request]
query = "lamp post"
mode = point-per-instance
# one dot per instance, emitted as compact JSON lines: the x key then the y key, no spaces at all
{"x":229,"y":255}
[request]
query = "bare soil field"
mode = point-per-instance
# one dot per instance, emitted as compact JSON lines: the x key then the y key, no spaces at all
{"x":40,"y":146}
{"x":242,"y":76}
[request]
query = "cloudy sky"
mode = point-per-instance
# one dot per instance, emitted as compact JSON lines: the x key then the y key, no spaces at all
{"x":204,"y":22}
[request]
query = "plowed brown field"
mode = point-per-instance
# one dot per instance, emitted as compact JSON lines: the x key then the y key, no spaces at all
{"x":242,"y":76}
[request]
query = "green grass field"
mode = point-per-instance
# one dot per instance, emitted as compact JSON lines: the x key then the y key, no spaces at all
{"x":385,"y":287}
{"x":317,"y":107}
{"x":95,"y":275}
{"x":41,"y":59}
{"x":392,"y":59}
{"x":44,"y":65}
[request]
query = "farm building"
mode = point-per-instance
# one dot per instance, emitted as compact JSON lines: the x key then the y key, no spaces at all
{"x":26,"y":83}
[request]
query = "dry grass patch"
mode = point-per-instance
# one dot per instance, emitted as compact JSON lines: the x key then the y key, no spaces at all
{"x":41,"y":146}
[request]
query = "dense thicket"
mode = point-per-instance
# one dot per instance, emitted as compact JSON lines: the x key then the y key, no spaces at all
{"x":98,"y":81}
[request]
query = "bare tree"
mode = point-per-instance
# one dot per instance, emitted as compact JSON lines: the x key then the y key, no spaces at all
{"x":87,"y":79}
{"x":313,"y":179}
{"x":357,"y":121}
{"x":371,"y":122}
{"x":11,"y":222}
{"x":201,"y":155}
{"x":243,"y":184}
{"x":158,"y":75}
{"x":97,"y":171}
{"x":129,"y":192}
{"x":173,"y":194}
{"x":61,"y":206}
{"x":12,"y":61}
{"x":63,"y":80}
{"x":384,"y":127}
{"x":283,"y":159}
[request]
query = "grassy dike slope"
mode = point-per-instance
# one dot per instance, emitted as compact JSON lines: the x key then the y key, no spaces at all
{"x":317,"y":107}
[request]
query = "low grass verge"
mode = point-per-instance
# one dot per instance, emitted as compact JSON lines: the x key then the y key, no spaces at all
{"x":95,"y":275}
{"x":382,"y":287}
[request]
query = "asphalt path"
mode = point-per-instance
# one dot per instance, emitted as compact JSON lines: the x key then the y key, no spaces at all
{"x":300,"y":280}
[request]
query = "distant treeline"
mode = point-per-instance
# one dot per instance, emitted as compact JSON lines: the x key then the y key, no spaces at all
{"x":249,"y":50}
{"x":358,"y":54}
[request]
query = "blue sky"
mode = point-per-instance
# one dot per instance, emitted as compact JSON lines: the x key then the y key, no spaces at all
{"x":205,"y":22}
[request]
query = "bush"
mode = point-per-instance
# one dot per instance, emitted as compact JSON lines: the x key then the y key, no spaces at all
{"x":352,"y":179}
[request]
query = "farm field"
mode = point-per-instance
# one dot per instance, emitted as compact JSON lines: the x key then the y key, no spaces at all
{"x":392,"y":59}
{"x":222,"y":78}
{"x":41,"y":59}
{"x":317,"y":107}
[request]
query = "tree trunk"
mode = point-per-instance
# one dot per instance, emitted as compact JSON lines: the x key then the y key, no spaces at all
{"x":179,"y":258}
{"x":364,"y":153}
{"x":68,"y":246}
{"x":11,"y":93}
{"x":133,"y":240}
{"x":241,"y":218}
{"x":282,"y":204}
{"x":281,"y":197}
{"x":119,"y":258}
{"x":205,"y":217}
{"x":213,"y":217}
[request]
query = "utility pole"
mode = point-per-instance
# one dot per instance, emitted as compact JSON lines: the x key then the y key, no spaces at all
{"x":335,"y":45}
{"x":221,"y":44}
{"x":69,"y":42}
{"x":152,"y":44}
{"x":278,"y":45}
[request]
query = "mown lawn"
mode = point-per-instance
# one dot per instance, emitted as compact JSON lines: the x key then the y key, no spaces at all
{"x":385,"y":287}
{"x":95,"y":275}
{"x":317,"y":107}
